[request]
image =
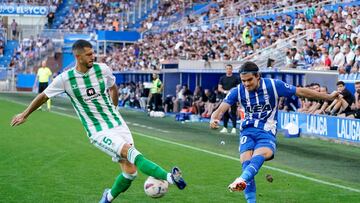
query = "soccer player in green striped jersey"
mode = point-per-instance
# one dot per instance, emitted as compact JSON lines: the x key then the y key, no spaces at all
{"x":93,"y":93}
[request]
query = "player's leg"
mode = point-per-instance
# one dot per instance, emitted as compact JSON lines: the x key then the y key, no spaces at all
{"x":265,"y":147}
{"x":256,"y":161}
{"x":233,"y":118}
{"x":122,"y":182}
{"x":150,"y":168}
{"x":226,"y":117}
{"x":247,"y":145}
{"x":250,"y":190}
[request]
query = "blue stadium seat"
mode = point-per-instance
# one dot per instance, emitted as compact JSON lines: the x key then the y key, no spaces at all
{"x":352,"y":76}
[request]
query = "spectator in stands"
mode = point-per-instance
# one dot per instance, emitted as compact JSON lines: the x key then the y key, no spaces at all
{"x":315,"y":104}
{"x":209,"y":100}
{"x":188,"y":97}
{"x":14,"y":27}
{"x":324,"y":103}
{"x":357,"y":59}
{"x":197,"y":100}
{"x":339,"y":59}
{"x":1,"y":48}
{"x":178,"y":99}
{"x":142,"y":93}
{"x":356,"y":105}
{"x":349,"y":58}
{"x":342,"y":105}
{"x":50,"y":17}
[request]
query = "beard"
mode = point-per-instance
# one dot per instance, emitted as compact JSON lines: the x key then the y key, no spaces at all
{"x":89,"y":65}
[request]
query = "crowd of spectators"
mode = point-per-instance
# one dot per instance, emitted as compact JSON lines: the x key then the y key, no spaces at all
{"x":97,"y":15}
{"x":347,"y":105}
{"x":339,"y":29}
{"x":29,"y":52}
{"x":336,"y":45}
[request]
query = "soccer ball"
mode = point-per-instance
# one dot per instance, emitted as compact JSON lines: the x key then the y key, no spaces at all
{"x":155,"y":188}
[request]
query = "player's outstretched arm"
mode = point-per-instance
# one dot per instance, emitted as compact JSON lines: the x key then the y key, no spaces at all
{"x":114,"y":94}
{"x":35,"y":104}
{"x":216,"y":116}
{"x":311,"y":94}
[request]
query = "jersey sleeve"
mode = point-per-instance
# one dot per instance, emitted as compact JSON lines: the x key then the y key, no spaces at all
{"x":221,"y":81}
{"x":109,"y":77}
{"x":49,"y":72}
{"x":232,"y":97}
{"x":284,"y":90}
{"x":55,"y":88}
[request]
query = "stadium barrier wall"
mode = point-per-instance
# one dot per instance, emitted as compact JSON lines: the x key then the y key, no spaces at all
{"x":330,"y":127}
{"x":25,"y":82}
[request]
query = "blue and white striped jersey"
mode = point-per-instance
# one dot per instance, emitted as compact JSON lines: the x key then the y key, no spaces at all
{"x":261,"y":105}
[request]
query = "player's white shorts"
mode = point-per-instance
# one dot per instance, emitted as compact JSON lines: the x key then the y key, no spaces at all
{"x":112,"y":140}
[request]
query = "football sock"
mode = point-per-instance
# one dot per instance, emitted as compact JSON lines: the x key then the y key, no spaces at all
{"x":146,"y":166}
{"x":253,"y":168}
{"x":250,"y":190}
{"x":121,"y":184}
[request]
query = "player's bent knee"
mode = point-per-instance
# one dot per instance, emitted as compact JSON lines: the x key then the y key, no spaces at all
{"x":130,"y":153}
{"x":266,"y":152}
{"x":130,"y":176}
{"x":246,"y":156}
{"x":124,"y":150}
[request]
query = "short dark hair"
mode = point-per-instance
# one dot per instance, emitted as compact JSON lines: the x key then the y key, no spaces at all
{"x":80,"y":45}
{"x":357,"y":83}
{"x":340,"y":83}
{"x":248,"y":67}
{"x":228,"y":65}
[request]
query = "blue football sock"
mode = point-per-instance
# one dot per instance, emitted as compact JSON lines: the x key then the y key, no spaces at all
{"x":250,"y":190}
{"x":253,"y":168}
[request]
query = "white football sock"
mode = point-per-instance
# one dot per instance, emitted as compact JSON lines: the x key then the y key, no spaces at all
{"x":169,"y":179}
{"x":109,"y":196}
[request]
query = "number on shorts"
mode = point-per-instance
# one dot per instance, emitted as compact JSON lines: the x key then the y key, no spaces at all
{"x":107,"y":141}
{"x":243,"y":139}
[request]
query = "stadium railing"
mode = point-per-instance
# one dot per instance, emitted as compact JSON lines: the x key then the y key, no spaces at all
{"x":277,"y":51}
{"x":234,"y":19}
{"x":7,"y":79}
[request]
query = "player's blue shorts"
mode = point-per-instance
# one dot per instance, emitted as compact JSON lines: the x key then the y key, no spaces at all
{"x":253,"y":138}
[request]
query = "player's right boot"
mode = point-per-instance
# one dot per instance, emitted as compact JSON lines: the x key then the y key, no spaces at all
{"x":104,"y":196}
{"x":238,"y":185}
{"x":177,"y":178}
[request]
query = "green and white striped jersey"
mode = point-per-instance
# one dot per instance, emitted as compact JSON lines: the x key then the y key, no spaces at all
{"x":89,"y":96}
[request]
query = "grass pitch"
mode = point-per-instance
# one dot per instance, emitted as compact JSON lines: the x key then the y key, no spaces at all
{"x":49,"y":159}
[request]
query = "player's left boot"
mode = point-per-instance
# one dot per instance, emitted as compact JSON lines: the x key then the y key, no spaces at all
{"x":104,"y":196}
{"x":238,"y":185}
{"x":177,"y":178}
{"x":233,"y":131}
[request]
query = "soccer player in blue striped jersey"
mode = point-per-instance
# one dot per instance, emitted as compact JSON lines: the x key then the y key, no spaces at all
{"x":259,"y":99}
{"x":93,"y":93}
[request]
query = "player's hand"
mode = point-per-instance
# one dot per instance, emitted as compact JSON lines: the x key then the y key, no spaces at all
{"x":214,"y":123}
{"x":18,"y":120}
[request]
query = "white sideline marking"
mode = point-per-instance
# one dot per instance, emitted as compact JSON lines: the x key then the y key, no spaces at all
{"x":223,"y":156}
{"x":237,"y":159}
